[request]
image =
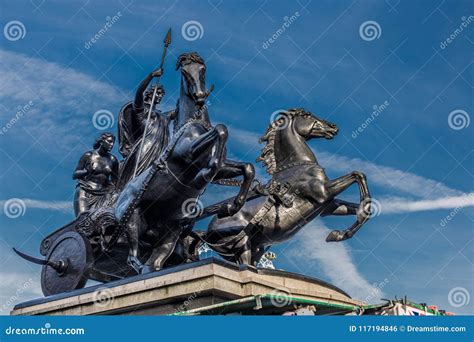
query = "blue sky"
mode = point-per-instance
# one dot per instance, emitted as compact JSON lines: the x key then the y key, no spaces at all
{"x":419,"y":163}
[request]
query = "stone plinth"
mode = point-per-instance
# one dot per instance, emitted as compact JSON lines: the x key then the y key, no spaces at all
{"x":210,"y":286}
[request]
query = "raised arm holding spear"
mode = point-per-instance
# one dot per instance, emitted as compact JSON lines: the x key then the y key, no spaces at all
{"x":167,"y":42}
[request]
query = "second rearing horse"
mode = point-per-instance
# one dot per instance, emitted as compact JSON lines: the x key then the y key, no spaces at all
{"x":298,"y":192}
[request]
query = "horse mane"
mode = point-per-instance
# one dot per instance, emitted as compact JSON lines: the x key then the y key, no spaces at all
{"x":189,"y":57}
{"x":267,"y":155}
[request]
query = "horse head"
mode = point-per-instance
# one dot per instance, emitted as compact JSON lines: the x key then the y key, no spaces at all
{"x":305,"y":124}
{"x":287,"y":135}
{"x":193,"y":77}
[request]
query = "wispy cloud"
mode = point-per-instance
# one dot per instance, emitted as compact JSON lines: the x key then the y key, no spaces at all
{"x":388,"y":177}
{"x":335,"y":261}
{"x":401,"y":205}
{"x":62,"y":98}
{"x":15,"y":288}
{"x":389,"y":205}
{"x":247,"y":140}
{"x":64,"y":206}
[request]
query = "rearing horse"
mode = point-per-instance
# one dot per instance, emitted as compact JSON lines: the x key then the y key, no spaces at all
{"x":298,"y":192}
{"x":156,"y":203}
{"x":191,"y":107}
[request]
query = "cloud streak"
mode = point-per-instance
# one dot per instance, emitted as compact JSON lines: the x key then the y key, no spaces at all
{"x":388,"y":177}
{"x":389,"y":205}
{"x":385,"y":176}
{"x":62,"y":98}
{"x":401,"y":205}
{"x":335,"y":260}
{"x":15,"y":288}
{"x":63,"y":206}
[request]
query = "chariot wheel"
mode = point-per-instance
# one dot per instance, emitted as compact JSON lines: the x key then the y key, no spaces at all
{"x":68,"y":263}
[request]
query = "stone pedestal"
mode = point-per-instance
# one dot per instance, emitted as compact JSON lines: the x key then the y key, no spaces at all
{"x":210,"y":286}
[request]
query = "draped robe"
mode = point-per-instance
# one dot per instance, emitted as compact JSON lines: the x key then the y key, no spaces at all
{"x":131,"y":126}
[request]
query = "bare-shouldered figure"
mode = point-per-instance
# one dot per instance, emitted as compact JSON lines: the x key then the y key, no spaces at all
{"x":96,"y":174}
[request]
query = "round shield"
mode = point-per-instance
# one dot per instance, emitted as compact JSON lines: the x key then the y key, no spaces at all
{"x":69,"y":260}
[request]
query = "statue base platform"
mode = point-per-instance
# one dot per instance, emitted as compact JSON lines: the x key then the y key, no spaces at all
{"x":207,"y":287}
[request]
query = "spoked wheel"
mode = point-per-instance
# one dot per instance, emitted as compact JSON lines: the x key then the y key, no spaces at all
{"x":67,"y":265}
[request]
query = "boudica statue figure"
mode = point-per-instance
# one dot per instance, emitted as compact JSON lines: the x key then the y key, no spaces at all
{"x":137,"y":215}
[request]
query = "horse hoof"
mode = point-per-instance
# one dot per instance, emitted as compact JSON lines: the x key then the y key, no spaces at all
{"x":335,"y":236}
{"x":134,"y":263}
{"x":146,"y":269}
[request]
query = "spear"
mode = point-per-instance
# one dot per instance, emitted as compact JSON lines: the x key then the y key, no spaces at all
{"x":167,"y":42}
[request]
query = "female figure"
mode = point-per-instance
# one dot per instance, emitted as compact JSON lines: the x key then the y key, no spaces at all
{"x":134,"y":126}
{"x":96,"y":175}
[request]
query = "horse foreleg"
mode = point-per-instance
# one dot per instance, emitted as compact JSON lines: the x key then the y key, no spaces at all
{"x":202,"y":143}
{"x":339,"y":207}
{"x":207,"y":175}
{"x":232,"y":169}
{"x":338,"y":185}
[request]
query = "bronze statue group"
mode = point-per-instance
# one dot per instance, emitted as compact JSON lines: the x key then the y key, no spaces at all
{"x":141,"y":214}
